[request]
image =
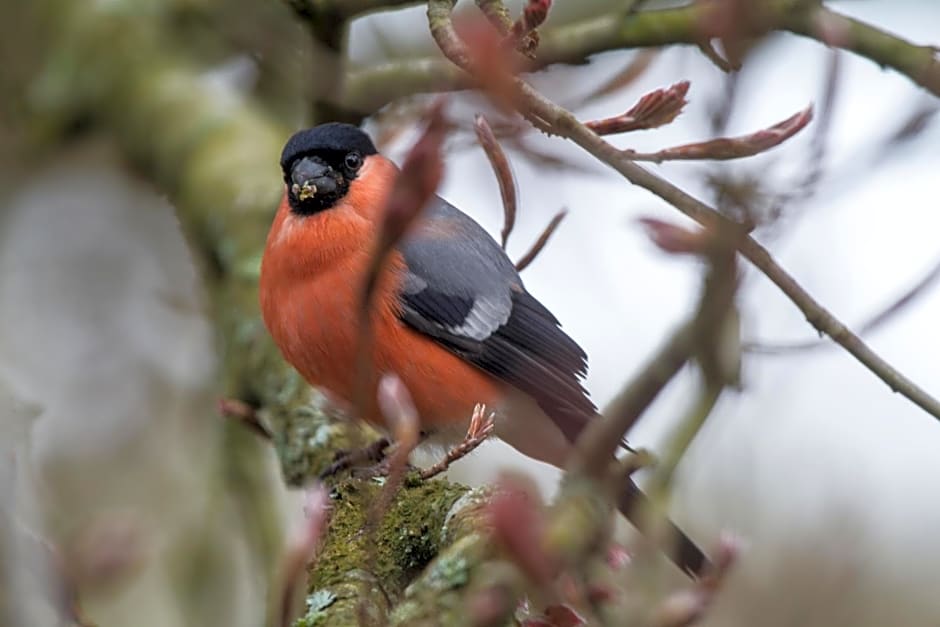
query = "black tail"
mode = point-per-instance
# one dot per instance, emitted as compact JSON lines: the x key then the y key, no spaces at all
{"x":677,"y":546}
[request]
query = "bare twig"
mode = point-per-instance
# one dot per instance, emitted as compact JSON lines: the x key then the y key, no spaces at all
{"x":245,"y":414}
{"x":873,"y":323}
{"x":638,"y":64}
{"x":653,"y":110}
{"x":914,"y":124}
{"x":481,"y":427}
{"x":823,"y":124}
{"x":724,"y":148}
{"x":719,"y":61}
{"x":503,"y":172}
{"x":401,"y":415}
{"x":540,"y":243}
{"x":497,"y":14}
{"x":690,"y":426}
{"x":420,"y":176}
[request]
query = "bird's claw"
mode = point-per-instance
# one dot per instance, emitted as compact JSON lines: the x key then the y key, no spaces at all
{"x":365,"y":458}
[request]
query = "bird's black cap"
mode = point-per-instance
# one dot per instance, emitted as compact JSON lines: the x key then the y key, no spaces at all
{"x":331,"y":137}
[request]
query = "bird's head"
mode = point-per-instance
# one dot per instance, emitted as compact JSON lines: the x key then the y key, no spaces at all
{"x":320,"y":163}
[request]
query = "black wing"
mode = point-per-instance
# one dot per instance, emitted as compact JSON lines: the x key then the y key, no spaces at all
{"x":462,"y":290}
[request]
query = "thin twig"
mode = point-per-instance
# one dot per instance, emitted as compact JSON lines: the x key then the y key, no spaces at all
{"x":540,"y":243}
{"x":873,"y":322}
{"x":481,"y":427}
{"x":817,"y":155}
{"x":503,"y":171}
{"x":418,"y":180}
{"x":681,"y":439}
{"x":633,"y":462}
{"x":708,"y":50}
{"x":402,"y":418}
{"x":245,"y":414}
{"x":636,"y":67}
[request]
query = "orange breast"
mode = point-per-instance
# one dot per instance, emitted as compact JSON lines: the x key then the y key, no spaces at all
{"x":311,"y":282}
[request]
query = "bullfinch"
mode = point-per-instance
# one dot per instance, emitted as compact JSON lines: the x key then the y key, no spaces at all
{"x":451,"y":316}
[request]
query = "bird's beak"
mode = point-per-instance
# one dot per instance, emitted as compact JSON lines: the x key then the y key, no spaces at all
{"x":311,"y":176}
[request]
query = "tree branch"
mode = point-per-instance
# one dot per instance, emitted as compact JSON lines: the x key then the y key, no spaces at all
{"x":370,"y":88}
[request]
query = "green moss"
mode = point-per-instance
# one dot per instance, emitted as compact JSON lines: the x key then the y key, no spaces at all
{"x":406,"y":540}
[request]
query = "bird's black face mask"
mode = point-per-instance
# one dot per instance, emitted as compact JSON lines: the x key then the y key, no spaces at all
{"x":314,"y":185}
{"x":320,"y":163}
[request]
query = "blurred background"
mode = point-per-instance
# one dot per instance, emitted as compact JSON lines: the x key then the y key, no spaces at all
{"x":117,"y":467}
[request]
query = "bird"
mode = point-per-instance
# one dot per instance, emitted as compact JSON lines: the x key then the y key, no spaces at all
{"x":451,"y":316}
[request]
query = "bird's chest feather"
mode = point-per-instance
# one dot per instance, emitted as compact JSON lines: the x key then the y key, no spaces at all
{"x":311,"y":293}
{"x":318,"y":326}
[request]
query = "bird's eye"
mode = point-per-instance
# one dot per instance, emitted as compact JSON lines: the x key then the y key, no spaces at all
{"x":353,"y":161}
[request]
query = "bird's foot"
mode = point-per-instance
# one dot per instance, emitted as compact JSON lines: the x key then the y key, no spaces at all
{"x":381,"y":468}
{"x":368,"y":458}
